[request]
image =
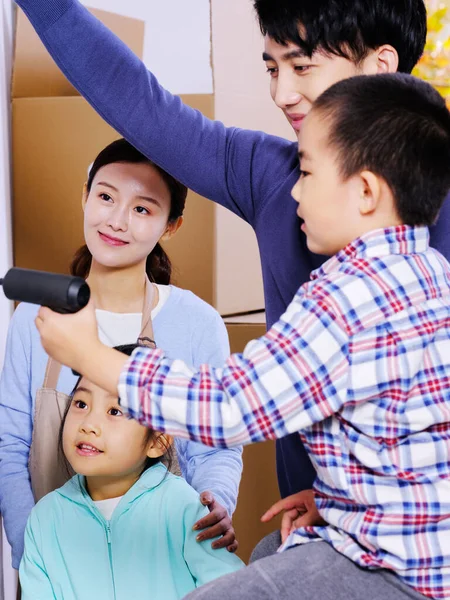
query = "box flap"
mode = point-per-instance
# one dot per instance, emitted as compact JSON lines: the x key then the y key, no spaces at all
{"x":35,"y":74}
{"x":251,"y":318}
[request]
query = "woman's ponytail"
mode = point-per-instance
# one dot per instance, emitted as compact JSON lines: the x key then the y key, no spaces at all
{"x":159,"y":267}
{"x":81,"y":262}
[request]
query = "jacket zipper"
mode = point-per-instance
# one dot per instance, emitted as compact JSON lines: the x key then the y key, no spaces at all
{"x":108,"y":539}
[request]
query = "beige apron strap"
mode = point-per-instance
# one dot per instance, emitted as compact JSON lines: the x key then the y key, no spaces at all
{"x":146,"y":337}
{"x":52,"y":374}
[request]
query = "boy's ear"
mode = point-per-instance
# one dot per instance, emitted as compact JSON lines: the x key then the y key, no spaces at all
{"x":172,"y":228}
{"x":159,"y":445}
{"x":370,"y":193}
{"x":84,"y":196}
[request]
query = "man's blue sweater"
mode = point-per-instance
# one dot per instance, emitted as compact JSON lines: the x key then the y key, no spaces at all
{"x":248,"y":172}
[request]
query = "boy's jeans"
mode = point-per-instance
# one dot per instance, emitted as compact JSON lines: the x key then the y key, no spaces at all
{"x":313,"y":571}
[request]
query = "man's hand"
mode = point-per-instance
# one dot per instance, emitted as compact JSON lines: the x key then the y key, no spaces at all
{"x":216,"y":523}
{"x":299,"y":511}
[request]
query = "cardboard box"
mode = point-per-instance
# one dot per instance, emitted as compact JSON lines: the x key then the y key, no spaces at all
{"x":259,"y":485}
{"x":36,"y":75}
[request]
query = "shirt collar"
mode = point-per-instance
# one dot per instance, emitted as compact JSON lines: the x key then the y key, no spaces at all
{"x":402,"y":239}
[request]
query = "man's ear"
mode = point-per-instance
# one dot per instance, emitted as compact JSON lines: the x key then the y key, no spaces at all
{"x":159,"y":445}
{"x":172,"y":228}
{"x":386,"y":59}
{"x":84,"y":196}
{"x":370,"y":193}
{"x":381,"y":60}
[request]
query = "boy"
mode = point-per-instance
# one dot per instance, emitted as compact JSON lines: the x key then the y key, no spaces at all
{"x":359,"y":365}
{"x":309,"y":45}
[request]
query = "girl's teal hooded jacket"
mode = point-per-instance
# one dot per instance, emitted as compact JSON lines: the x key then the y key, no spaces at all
{"x":147,"y":550}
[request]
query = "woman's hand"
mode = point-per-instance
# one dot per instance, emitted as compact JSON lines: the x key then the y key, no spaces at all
{"x":216,"y":523}
{"x":68,"y":338}
{"x":299,"y":511}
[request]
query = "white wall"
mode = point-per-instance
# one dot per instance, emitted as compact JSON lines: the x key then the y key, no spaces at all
{"x":177,"y":40}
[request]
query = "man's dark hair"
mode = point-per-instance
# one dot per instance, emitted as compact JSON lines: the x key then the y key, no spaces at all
{"x":347,"y":28}
{"x":397,"y":127}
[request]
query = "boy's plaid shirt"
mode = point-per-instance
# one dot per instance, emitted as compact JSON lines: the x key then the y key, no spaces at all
{"x":360,"y":365}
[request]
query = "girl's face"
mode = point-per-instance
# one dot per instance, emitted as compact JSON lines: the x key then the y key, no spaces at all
{"x":102,"y":443}
{"x":126,"y":213}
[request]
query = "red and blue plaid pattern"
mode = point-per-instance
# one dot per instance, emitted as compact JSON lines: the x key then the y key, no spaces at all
{"x":359,"y":365}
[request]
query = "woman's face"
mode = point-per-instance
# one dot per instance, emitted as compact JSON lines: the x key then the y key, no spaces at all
{"x":125,"y":214}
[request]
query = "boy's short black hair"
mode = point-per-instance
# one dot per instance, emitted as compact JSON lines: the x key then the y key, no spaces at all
{"x":347,"y":28}
{"x":398,"y":127}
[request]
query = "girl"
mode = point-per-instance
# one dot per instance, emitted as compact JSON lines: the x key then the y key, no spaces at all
{"x":129,"y":205}
{"x":122,"y":527}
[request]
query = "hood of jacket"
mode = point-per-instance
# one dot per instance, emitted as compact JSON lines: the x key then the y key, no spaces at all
{"x":75,"y":489}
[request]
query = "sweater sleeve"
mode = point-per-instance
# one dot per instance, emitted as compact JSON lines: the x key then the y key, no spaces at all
{"x":207,"y":469}
{"x":233,"y":167}
{"x":16,"y":497}
{"x":204,"y":563}
{"x":439,"y":233}
{"x":34,"y":580}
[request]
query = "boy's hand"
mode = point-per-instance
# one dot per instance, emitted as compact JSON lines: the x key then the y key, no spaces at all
{"x":68,"y":338}
{"x":300,"y":511}
{"x":216,"y":523}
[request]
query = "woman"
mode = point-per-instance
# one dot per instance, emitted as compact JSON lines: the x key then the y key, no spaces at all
{"x":129,"y":205}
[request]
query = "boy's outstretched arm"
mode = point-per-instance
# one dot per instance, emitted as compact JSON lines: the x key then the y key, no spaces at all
{"x":292,"y":377}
